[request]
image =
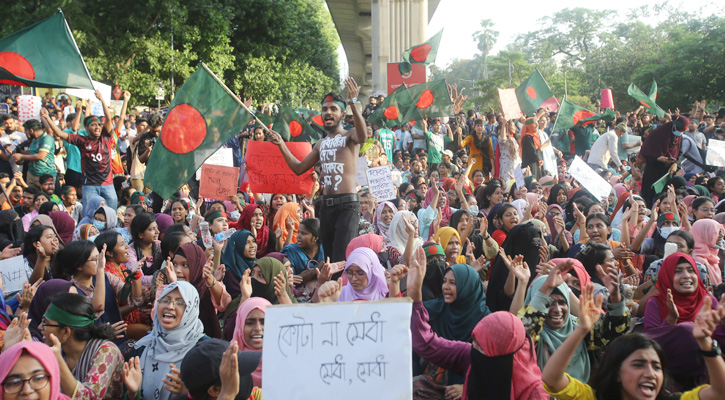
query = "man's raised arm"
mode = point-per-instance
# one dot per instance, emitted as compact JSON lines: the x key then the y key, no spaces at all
{"x":298,"y":167}
{"x":361,"y":133}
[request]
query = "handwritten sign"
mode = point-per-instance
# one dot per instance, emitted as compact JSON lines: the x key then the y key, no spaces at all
{"x":355,"y":350}
{"x":218,"y":182}
{"x":29,"y":107}
{"x":13,"y":274}
{"x":380,"y":182}
{"x":361,"y":175}
{"x":595,"y":184}
{"x":224,"y":156}
{"x":269,"y":173}
{"x":510,"y":104}
{"x":715,"y":153}
{"x":519,"y":177}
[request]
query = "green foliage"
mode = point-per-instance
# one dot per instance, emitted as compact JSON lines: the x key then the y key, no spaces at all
{"x":276,"y":50}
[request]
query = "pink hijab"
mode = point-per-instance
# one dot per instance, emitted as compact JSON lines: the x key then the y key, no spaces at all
{"x":369,"y":240}
{"x":377,"y":287}
{"x":446,"y":211}
{"x":688,"y":199}
{"x":249,"y":305}
{"x":619,"y":189}
{"x":705,"y":232}
{"x":533,"y":200}
{"x":42,"y":353}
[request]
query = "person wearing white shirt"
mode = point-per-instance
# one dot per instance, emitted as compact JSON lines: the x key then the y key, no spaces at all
{"x":403,"y":138}
{"x":127,"y":134}
{"x":605,"y":149}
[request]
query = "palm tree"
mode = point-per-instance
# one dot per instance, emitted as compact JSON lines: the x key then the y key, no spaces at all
{"x":486,"y":38}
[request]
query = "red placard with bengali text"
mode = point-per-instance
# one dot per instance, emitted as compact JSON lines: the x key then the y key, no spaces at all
{"x":218,"y":182}
{"x":269,"y":173}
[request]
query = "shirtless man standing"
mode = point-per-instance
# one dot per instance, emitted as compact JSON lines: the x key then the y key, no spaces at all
{"x":337,"y":154}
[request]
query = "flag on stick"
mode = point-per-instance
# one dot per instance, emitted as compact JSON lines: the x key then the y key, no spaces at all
{"x":293,"y":128}
{"x":430,"y":99}
{"x":532,"y":93}
{"x":648,"y":101}
{"x":570,"y":114}
{"x":424,"y":53}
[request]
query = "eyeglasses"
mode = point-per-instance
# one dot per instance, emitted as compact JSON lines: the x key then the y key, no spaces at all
{"x":178,"y":303}
{"x":358,"y":275}
{"x":705,"y":209}
{"x":553,"y":214}
{"x":46,"y":324}
{"x":15,"y":385}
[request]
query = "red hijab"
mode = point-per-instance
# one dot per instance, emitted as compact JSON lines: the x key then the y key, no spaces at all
{"x":530,"y":129}
{"x":262,"y":237}
{"x":688,"y":305}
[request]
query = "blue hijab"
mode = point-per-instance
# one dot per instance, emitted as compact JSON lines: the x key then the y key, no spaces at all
{"x":299,"y":259}
{"x":233,"y":257}
{"x":94,"y":203}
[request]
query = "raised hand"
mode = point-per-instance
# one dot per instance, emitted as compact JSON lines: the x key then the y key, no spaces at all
{"x":484,"y":224}
{"x":208,"y":273}
{"x":416,"y":274}
{"x":329,"y":292}
{"x":590,"y":308}
{"x":132,"y":376}
{"x":101,"y":264}
{"x":280,"y":288}
{"x":622,"y":252}
{"x":556,"y":277}
{"x":544,"y":253}
{"x":409,"y":227}
{"x":170,"y":273}
{"x":610,"y":277}
{"x":352,"y":88}
{"x":126,"y":96}
{"x":245,"y":284}
{"x":673,"y":314}
{"x":28,"y":293}
{"x":274,"y":137}
{"x":325,"y":271}
{"x":119,"y":327}
{"x":520,"y":269}
{"x":220,"y":272}
{"x":469,"y":251}
{"x":9,"y":252}
{"x":18,"y":331}
{"x":398,"y":272}
{"x":173,"y":382}
{"x":228,"y":372}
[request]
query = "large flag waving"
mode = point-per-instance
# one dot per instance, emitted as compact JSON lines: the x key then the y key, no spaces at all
{"x":43,"y":55}
{"x":424,"y":53}
{"x":648,"y":101}
{"x":430,"y":99}
{"x":203,"y":116}
{"x":393,"y":110}
{"x":571,"y":114}
{"x":532,"y":93}
{"x":293,"y":128}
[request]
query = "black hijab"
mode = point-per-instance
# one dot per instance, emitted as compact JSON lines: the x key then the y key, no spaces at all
{"x":11,"y":229}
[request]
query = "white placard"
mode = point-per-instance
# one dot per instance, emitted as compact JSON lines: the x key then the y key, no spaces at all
{"x":29,"y":107}
{"x":361,"y":175}
{"x":380,"y":182}
{"x":357,"y":350}
{"x":590,"y":180}
{"x":547,"y":151}
{"x":224,"y":156}
{"x":13,"y":274}
{"x":633,"y":139}
{"x":89,"y":94}
{"x":519,"y":177}
{"x":715,"y":153}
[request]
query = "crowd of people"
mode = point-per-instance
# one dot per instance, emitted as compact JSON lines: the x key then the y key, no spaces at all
{"x":520,"y":290}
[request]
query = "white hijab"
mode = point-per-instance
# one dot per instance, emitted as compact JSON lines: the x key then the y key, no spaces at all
{"x":397,"y":234}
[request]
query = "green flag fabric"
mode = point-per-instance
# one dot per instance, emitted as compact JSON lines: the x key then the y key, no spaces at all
{"x":430,"y":99}
{"x":648,"y":101}
{"x":532,"y":93}
{"x":268,"y":120}
{"x":293,"y":128}
{"x":659,"y":186}
{"x":570,"y":114}
{"x":202,"y":117}
{"x":424,"y":53}
{"x":393,"y":109}
{"x":43,"y":55}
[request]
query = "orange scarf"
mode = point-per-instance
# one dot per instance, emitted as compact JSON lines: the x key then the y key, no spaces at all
{"x":529,"y":129}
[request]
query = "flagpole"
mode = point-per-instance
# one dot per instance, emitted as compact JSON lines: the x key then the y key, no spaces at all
{"x":235,"y":97}
{"x":557,"y":114}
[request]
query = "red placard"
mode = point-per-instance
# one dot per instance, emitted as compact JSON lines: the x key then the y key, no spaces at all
{"x":395,"y":79}
{"x":218,"y":182}
{"x":269,"y":173}
{"x":509,"y":104}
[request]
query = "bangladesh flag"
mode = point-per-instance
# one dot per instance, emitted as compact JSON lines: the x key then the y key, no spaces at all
{"x":570,"y":114}
{"x":393,"y":110}
{"x":424,"y":53}
{"x":266,"y":119}
{"x":533,"y":93}
{"x":648,"y":101}
{"x":202,"y":117}
{"x":430,"y":99}
{"x":43,"y":55}
{"x":293,"y":128}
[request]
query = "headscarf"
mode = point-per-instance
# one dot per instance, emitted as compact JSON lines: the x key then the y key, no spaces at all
{"x":555,"y":191}
{"x":448,"y":183}
{"x":578,"y":269}
{"x":688,"y":199}
{"x":547,"y":183}
{"x":90,"y":208}
{"x":552,"y":225}
{"x":196,"y":260}
{"x":444,"y":235}
{"x":164,"y":221}
{"x":249,"y":305}
{"x":705,"y":232}
{"x":262,"y":238}
{"x":456,"y":320}
{"x":507,"y":367}
{"x":299,"y":260}
{"x":702,"y":191}
{"x":661,"y":141}
{"x":398,"y":235}
{"x":10,"y":232}
{"x":288,"y":210}
{"x":614,"y":179}
{"x":382,"y":228}
{"x":720,"y":218}
{"x":41,"y":301}
{"x":270,"y":268}
{"x":688,"y":305}
{"x":164,"y":347}
{"x":81,"y":231}
{"x":368,"y":240}
{"x":111,"y":217}
{"x":46,"y":207}
{"x":445,"y":211}
{"x":529,"y":129}
{"x":233,"y":257}
{"x":456,"y":218}
{"x":377,"y":287}
{"x":47,"y":221}
{"x":520,"y":205}
{"x":551,"y":339}
{"x":44,"y":355}
{"x":64,"y":225}
{"x":435,"y":270}
{"x":619,"y":189}
{"x":677,"y":182}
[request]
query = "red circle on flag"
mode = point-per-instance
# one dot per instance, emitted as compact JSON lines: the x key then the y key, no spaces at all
{"x":184,"y":129}
{"x":581,"y":114}
{"x":391,"y":112}
{"x":421,"y":52}
{"x":531,"y":92}
{"x":426,"y":99}
{"x":295,"y":129}
{"x":16,"y":65}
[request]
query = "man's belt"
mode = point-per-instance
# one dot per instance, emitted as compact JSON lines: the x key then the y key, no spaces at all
{"x":332,"y":200}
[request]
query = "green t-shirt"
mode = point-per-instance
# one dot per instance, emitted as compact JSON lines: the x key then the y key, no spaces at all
{"x":73,"y":154}
{"x":387,"y":139}
{"x":436,"y":145}
{"x":46,"y":165}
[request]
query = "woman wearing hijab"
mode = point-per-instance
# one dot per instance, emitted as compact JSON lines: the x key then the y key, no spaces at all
{"x":463,"y":222}
{"x":252,"y":219}
{"x":249,"y":330}
{"x":558,"y":236}
{"x":661,"y":151}
{"x":292,"y":212}
{"x":42,"y":219}
{"x":11,"y":229}
{"x":239,"y":256}
{"x":163,"y":221}
{"x":708,"y":233}
{"x":450,"y":240}
{"x":105,"y":219}
{"x":176,"y":329}
{"x":558,"y":195}
{"x":384,"y":213}
{"x":680,"y":289}
{"x":369,"y":240}
{"x":403,"y":237}
{"x":85,"y":232}
{"x":366,"y":277}
{"x":33,"y":360}
{"x":90,"y":208}
{"x":531,"y":154}
{"x":435,"y":270}
{"x":41,"y":301}
{"x":64,"y":225}
{"x":263,"y":274}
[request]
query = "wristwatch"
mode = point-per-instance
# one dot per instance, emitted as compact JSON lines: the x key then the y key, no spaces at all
{"x":353,"y":100}
{"x":715,"y":352}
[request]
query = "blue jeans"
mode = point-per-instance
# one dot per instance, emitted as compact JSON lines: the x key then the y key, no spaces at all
{"x":108,"y":192}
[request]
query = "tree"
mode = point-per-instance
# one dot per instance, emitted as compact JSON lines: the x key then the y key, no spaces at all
{"x":486,"y":39}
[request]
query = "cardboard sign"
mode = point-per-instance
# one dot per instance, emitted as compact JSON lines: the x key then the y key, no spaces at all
{"x":415,"y":76}
{"x":269,"y":173}
{"x":590,"y":180}
{"x":29,"y":107}
{"x":715,"y":153}
{"x":356,"y":350}
{"x":218,"y":182}
{"x":510,"y":104}
{"x":13,"y":274}
{"x":224,"y":156}
{"x":380,"y":182}
{"x":361,"y":175}
{"x":547,"y":151}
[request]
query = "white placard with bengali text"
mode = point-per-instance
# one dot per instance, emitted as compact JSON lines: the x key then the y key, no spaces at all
{"x":13,"y":274}
{"x":224,"y":156}
{"x":590,"y":180}
{"x":715,"y":153}
{"x":380,"y":182}
{"x":356,"y":350}
{"x":361,"y":175}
